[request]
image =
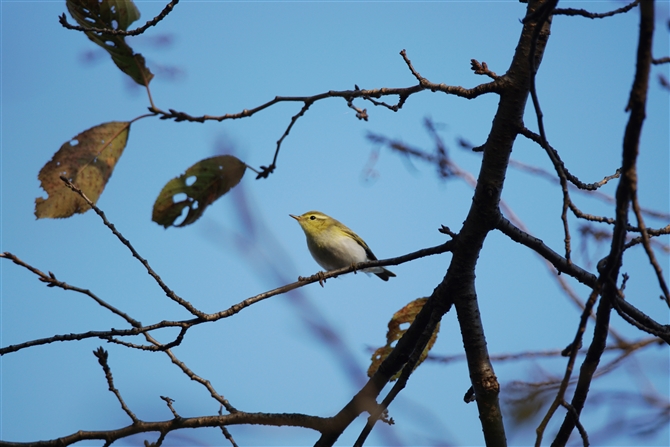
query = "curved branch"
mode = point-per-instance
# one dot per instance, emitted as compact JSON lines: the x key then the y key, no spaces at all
{"x":559,"y":262}
{"x":594,"y":15}
{"x":559,"y":165}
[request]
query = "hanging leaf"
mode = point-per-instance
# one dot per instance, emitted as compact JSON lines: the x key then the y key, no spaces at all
{"x":87,"y":161}
{"x":406,"y":316}
{"x":203,"y":183}
{"x":118,"y":15}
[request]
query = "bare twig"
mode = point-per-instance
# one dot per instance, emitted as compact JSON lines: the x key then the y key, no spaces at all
{"x":169,"y":402}
{"x":51,"y":281}
{"x":543,"y":17}
{"x":348,"y":95}
{"x":560,"y":263}
{"x":267,"y":170}
{"x":594,"y":15}
{"x":647,"y":248}
{"x":580,"y":427}
{"x":225,"y":432}
{"x":639,"y":319}
{"x":559,"y":165}
{"x":560,"y":396}
{"x":102,"y":356}
{"x":173,"y":296}
{"x":482,"y":69}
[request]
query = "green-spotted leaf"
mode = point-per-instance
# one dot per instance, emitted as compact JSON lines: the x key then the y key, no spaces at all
{"x":87,"y":161}
{"x":202,"y":184}
{"x":118,"y":15}
{"x":405,"y":316}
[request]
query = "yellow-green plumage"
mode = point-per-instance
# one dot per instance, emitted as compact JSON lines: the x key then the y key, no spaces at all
{"x":333,"y":245}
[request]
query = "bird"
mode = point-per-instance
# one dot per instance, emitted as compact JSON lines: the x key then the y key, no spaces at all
{"x":333,"y":245}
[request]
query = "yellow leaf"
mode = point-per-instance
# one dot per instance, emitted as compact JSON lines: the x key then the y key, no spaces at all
{"x":405,"y":316}
{"x":87,"y":161}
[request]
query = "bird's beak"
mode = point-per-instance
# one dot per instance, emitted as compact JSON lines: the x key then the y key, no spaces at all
{"x":295,"y":217}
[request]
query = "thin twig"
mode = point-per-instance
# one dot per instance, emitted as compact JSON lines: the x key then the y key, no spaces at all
{"x":225,"y":432}
{"x":267,"y":170}
{"x":576,"y":342}
{"x":647,"y":248}
{"x":169,"y":401}
{"x":580,"y":427}
{"x":594,"y":15}
{"x":559,"y":165}
{"x":543,"y":14}
{"x":119,"y":32}
{"x":173,"y":296}
{"x":102,"y":356}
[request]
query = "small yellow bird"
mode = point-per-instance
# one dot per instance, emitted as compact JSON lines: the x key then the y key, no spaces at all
{"x":333,"y":245}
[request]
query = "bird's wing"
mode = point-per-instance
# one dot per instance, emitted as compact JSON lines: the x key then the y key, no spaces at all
{"x":371,"y":256}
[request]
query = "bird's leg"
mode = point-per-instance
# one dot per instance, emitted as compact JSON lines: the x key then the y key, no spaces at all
{"x":322,"y":278}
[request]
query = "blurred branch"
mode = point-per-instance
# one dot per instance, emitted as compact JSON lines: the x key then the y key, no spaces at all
{"x":550,"y":353}
{"x":119,"y":32}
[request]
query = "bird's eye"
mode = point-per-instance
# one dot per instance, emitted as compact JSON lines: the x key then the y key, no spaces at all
{"x":312,"y":217}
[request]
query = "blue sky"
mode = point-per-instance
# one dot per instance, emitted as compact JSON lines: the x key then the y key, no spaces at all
{"x":222,"y":57}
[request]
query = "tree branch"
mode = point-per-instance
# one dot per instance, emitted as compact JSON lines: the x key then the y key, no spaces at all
{"x":594,"y":15}
{"x":109,"y":436}
{"x":137,"y":329}
{"x":624,"y":195}
{"x":119,"y":32}
{"x":173,"y":296}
